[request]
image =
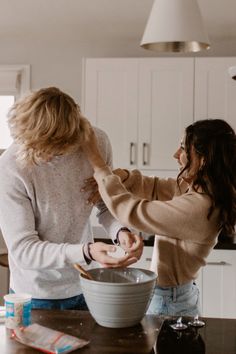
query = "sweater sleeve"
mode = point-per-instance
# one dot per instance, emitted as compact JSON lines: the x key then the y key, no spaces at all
{"x":179,"y":217}
{"x":105,"y":218}
{"x":17,"y":222}
{"x":148,"y":187}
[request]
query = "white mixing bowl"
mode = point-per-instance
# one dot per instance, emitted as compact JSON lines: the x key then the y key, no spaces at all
{"x":118,"y":297}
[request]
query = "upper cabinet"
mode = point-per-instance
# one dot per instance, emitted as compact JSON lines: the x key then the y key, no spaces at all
{"x":165,"y":108}
{"x":215,"y":91}
{"x":143,"y":105}
{"x":110,"y":102}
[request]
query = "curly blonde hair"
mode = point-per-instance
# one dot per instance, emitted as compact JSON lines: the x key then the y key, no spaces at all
{"x":46,"y":123}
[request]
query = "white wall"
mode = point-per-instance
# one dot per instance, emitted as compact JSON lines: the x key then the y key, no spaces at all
{"x":59,"y":63}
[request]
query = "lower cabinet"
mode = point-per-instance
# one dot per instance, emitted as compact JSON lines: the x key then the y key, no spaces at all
{"x":216,"y":282}
{"x":145,"y":260}
{"x":217,"y":285}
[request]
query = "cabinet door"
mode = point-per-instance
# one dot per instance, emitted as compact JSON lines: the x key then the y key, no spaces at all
{"x":165,"y":109}
{"x":145,"y":260}
{"x":110,"y":101}
{"x":219,"y":285}
{"x":215,"y":91}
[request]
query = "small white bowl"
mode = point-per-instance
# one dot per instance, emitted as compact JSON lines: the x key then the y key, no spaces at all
{"x":118,"y":297}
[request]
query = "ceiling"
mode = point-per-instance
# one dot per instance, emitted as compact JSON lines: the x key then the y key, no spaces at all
{"x":99,"y":20}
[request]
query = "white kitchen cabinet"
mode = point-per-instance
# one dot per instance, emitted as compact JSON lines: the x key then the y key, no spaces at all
{"x":217,"y":284}
{"x":110,"y":97}
{"x":143,"y":105}
{"x":165,"y":109}
{"x":215,"y":91}
{"x":145,"y":261}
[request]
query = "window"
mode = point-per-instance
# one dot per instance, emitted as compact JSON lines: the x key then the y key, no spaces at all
{"x":14,"y":82}
{"x":5,"y":103}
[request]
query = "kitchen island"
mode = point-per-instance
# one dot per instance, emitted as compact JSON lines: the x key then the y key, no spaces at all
{"x":217,"y":337}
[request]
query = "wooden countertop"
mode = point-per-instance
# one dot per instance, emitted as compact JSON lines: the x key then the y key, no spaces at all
{"x":217,"y":337}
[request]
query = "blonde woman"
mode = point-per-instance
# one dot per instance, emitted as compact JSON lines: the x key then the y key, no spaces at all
{"x":44,"y":216}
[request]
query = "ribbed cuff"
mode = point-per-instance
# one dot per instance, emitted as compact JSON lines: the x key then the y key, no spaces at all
{"x":116,"y":241}
{"x":74,"y":253}
{"x":87,"y":254}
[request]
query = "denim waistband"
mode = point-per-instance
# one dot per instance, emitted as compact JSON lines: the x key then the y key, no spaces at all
{"x":174,"y":290}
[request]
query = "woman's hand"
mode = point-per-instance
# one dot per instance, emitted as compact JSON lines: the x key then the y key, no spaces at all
{"x":91,"y":150}
{"x":99,"y":252}
{"x":131,"y":243}
{"x":122,"y":173}
{"x":90,"y":185}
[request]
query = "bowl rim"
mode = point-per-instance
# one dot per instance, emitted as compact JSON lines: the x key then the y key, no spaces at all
{"x":118,"y":284}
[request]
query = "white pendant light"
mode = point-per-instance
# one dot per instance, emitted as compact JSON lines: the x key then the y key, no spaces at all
{"x":175,"y":26}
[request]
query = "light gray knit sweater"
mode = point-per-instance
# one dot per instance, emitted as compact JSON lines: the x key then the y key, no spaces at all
{"x":44,"y":219}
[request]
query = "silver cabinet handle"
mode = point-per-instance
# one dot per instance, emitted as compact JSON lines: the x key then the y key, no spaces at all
{"x":217,"y":263}
{"x":132,"y":153}
{"x":145,"y":154}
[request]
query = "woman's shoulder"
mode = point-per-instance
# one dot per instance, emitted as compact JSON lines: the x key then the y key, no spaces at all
{"x":9,"y":166}
{"x":104,"y":144}
{"x":194,"y":200}
{"x":8,"y":156}
{"x":101,"y":134}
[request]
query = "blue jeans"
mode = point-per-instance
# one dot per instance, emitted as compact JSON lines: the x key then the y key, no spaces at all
{"x":182,"y":300}
{"x":71,"y":303}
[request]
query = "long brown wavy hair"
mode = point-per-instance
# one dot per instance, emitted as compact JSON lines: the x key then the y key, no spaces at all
{"x":46,"y":123}
{"x":214,"y":140}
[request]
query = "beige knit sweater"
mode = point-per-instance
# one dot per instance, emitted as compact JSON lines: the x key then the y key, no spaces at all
{"x":178,"y":218}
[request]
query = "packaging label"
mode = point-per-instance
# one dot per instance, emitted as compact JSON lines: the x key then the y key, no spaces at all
{"x":18,"y":314}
